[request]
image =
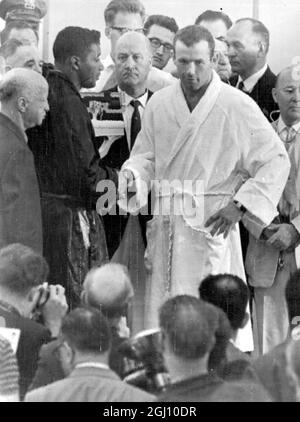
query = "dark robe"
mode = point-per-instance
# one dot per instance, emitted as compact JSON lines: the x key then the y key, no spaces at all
{"x":20,"y":209}
{"x":69,"y":168}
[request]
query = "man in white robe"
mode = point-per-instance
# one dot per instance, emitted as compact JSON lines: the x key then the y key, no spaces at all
{"x":202,"y":133}
{"x":272,"y":260}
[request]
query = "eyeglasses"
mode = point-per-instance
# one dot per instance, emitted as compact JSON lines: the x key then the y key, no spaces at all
{"x":156,"y":43}
{"x":124,"y":29}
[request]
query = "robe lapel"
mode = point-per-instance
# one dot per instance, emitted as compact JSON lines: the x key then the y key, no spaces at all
{"x":191,"y":122}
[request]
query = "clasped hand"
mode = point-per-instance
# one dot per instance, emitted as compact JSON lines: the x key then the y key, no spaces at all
{"x":224,"y":220}
{"x":282,"y":236}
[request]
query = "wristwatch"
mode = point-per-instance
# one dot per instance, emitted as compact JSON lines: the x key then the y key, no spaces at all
{"x":240,"y":206}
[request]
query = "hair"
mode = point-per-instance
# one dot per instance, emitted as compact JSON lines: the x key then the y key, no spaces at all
{"x":74,"y":41}
{"x":22,"y":82}
{"x":21,"y":269}
{"x":123,"y":6}
{"x":259,"y":29}
{"x":86,"y":330}
{"x":229,"y":293}
{"x":214,"y":15}
{"x":10,"y":47}
{"x":193,"y":34}
{"x":163,"y":21}
{"x":292,"y":295}
{"x":17,"y":24}
{"x":189,"y":325}
{"x":109,"y":289}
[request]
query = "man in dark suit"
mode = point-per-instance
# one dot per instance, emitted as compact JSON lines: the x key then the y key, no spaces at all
{"x":23,"y":96}
{"x":86,"y":340}
{"x":248,"y":45}
{"x":22,"y":273}
{"x":125,"y":102}
{"x":126,"y":236}
{"x":248,"y":41}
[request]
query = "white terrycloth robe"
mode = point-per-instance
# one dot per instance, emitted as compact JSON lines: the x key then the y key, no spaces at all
{"x":223,"y":142}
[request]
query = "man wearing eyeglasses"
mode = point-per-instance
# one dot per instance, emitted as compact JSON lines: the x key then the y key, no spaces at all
{"x":161,"y":31}
{"x":122,"y":16}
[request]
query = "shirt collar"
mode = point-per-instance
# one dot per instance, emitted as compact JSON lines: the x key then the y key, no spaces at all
{"x":250,"y":82}
{"x":126,"y":99}
{"x":281,"y":125}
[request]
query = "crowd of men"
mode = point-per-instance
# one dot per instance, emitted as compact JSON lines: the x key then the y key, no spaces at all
{"x":135,"y":198}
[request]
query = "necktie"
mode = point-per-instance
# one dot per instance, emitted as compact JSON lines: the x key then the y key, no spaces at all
{"x":241,"y":86}
{"x":288,"y":135}
{"x":135,"y":122}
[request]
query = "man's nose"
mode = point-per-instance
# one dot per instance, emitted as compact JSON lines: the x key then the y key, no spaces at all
{"x":38,"y":68}
{"x":191,"y":69}
{"x":296,"y":95}
{"x":130,"y":63}
{"x":231,"y":51}
{"x":47,"y":107}
{"x":160,"y":50}
{"x":101,"y":67}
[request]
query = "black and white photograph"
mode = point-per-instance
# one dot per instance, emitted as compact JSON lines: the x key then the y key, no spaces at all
{"x":149,"y":203}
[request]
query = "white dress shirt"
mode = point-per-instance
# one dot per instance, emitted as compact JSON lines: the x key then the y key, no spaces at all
{"x":250,"y":82}
{"x":127,"y":110}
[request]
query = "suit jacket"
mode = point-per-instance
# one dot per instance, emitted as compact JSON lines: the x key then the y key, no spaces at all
{"x":32,"y":337}
{"x":89,"y":385}
{"x":117,"y":155}
{"x":262,"y":260}
{"x":20,"y":209}
{"x":262,"y":92}
{"x":210,"y":388}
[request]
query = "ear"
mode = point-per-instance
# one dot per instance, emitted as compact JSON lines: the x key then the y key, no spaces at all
{"x":7,"y":68}
{"x":75,"y":62}
{"x":22,"y":104}
{"x":245,"y":320}
{"x":262,"y":49}
{"x":215,"y":58}
{"x":108,"y":32}
{"x":274,"y":95}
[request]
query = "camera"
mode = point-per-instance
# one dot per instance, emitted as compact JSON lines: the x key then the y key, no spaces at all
{"x":44,"y":294}
{"x":144,"y":365}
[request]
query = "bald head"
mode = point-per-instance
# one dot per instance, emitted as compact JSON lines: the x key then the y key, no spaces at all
{"x":22,"y":83}
{"x":287,"y":94}
{"x":24,"y":92}
{"x":108,"y":288}
{"x":133,"y":62}
{"x":134,"y":39}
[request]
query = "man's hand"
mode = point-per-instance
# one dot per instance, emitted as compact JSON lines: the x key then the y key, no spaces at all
{"x":127,"y":185}
{"x":224,"y":219}
{"x":55,"y":309}
{"x":285,"y":237}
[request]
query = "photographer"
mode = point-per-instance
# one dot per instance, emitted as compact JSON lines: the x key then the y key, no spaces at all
{"x":109,"y":289}
{"x":22,"y":273}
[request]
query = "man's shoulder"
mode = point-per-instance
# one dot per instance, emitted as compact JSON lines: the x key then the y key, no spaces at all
{"x":29,"y":329}
{"x":268,"y":78}
{"x":87,"y":388}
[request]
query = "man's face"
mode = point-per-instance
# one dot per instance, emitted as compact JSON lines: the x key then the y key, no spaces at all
{"x":133,"y":63}
{"x":37,"y":107}
{"x":90,"y":67}
{"x":25,"y":34}
{"x":161,"y":40}
{"x":194,"y":65}
{"x":217,"y":28}
{"x":287,"y":95}
{"x":123,"y":23}
{"x":243,"y":48}
{"x":222,"y":67}
{"x":26,"y":56}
